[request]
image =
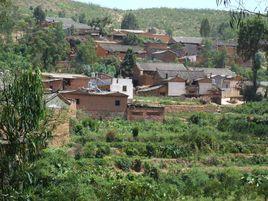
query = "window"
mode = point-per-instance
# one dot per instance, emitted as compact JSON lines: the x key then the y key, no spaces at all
{"x":117,"y":103}
{"x":77,"y":101}
{"x":125,"y":88}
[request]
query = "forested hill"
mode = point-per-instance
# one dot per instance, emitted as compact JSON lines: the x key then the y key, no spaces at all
{"x":181,"y":21}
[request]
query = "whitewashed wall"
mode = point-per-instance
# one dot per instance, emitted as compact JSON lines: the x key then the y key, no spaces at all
{"x":204,"y":87}
{"x":118,"y":85}
{"x":176,"y":88}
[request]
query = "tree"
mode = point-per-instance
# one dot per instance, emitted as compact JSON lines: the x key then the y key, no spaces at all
{"x":87,"y":53}
{"x":130,"y":22}
{"x":126,"y":68}
{"x":132,"y":39}
{"x":249,"y":43}
{"x":24,"y":128}
{"x":101,"y":23}
{"x":45,"y":46}
{"x":82,"y":18}
{"x":205,"y":28}
{"x":39,"y":14}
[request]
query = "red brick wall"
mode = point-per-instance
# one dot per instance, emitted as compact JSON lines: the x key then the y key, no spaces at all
{"x":99,"y":104}
{"x":77,"y":83}
{"x":55,"y":85}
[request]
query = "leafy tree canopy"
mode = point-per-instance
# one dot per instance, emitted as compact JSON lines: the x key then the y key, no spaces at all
{"x":129,"y":22}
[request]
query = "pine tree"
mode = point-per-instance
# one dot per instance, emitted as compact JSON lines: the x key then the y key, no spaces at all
{"x":39,"y":14}
{"x":126,"y":68}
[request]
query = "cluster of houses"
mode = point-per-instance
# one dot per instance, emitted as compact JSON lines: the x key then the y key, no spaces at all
{"x":158,"y":72}
{"x":103,"y":96}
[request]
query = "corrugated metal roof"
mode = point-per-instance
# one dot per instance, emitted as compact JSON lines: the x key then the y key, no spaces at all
{"x":192,"y":40}
{"x":122,"y":48}
{"x":67,"y":23}
{"x":156,"y":66}
{"x":216,"y":71}
{"x":63,"y":75}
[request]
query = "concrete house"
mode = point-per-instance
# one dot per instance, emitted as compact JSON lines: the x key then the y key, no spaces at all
{"x":99,"y":105}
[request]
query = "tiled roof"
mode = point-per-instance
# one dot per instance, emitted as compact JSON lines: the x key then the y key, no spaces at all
{"x":121,"y":48}
{"x":68,"y":23}
{"x":217,"y":71}
{"x":87,"y":92}
{"x":156,"y":66}
{"x":63,"y":75}
{"x":184,"y":74}
{"x":192,"y":40}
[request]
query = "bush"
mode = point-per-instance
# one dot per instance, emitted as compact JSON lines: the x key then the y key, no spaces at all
{"x":123,"y":163}
{"x":130,"y":151}
{"x":151,"y":171}
{"x":150,"y":150}
{"x":136,"y":165}
{"x":90,"y":124}
{"x":98,"y":150}
{"x":110,"y":136}
{"x":135,"y":132}
{"x":78,"y":129}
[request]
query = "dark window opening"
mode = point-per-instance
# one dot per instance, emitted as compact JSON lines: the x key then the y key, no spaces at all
{"x":125,"y":88}
{"x":117,"y":103}
{"x":77,"y":101}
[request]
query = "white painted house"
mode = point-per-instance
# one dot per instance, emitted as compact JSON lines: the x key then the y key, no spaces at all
{"x":176,"y":87}
{"x":122,"y":85}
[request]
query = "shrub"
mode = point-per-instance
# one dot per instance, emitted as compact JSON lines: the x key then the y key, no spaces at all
{"x":110,"y":136}
{"x":136,"y":165}
{"x":150,"y":150}
{"x":78,"y":129}
{"x":90,"y":124}
{"x":123,"y":163}
{"x":130,"y":151}
{"x":135,"y":132}
{"x":102,"y":150}
{"x":151,"y":171}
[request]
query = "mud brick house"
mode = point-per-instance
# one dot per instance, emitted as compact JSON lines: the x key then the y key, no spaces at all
{"x":165,"y":56}
{"x":179,"y":83}
{"x":62,"y":81}
{"x":68,"y":24}
{"x":103,"y":105}
{"x":144,"y":72}
{"x":191,"y":46}
{"x":106,"y":49}
{"x":226,"y":80}
{"x":142,"y":112}
{"x":151,"y":47}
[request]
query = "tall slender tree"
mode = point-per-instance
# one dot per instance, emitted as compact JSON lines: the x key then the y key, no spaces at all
{"x":205,"y":28}
{"x":126,"y":68}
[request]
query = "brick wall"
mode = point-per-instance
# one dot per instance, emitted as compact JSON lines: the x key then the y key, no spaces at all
{"x":145,"y":113}
{"x":191,"y":108}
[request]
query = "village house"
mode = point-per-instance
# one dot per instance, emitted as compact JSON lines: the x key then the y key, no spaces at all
{"x":118,"y":50}
{"x":144,"y":72}
{"x":190,"y":47}
{"x":151,"y":47}
{"x":71,"y":27}
{"x":179,"y":83}
{"x":101,"y":105}
{"x":103,"y":82}
{"x":63,"y":81}
{"x":165,"y":56}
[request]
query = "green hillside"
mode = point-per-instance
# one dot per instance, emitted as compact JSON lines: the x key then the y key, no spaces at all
{"x":185,"y":22}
